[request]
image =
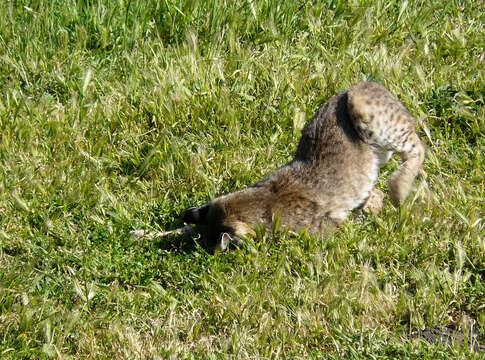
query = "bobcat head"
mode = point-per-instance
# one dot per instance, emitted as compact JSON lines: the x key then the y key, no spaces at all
{"x":220,"y":226}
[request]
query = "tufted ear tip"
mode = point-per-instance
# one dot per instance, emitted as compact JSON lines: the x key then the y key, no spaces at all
{"x":195,"y":215}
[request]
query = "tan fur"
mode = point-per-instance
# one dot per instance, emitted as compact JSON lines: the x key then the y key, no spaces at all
{"x":333,"y":172}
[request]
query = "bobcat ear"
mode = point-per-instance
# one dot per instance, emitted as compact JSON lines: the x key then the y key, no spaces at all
{"x":225,"y":239}
{"x":223,"y":242}
{"x":196,"y":215}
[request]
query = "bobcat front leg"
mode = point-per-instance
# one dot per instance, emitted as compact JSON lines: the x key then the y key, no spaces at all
{"x":374,"y":201}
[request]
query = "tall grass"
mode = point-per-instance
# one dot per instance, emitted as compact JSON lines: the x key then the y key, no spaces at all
{"x":117,"y":115}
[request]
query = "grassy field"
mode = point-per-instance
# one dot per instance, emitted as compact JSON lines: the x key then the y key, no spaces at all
{"x":119,"y":114}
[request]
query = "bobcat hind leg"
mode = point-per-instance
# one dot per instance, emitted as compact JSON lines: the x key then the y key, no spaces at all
{"x":381,"y":120}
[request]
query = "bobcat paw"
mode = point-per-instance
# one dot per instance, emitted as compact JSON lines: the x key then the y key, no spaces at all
{"x":374,"y":202}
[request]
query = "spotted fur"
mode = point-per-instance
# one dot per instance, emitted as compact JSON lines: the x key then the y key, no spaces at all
{"x":332,"y":173}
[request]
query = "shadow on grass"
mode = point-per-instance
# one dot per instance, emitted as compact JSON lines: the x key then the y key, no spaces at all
{"x":181,"y":244}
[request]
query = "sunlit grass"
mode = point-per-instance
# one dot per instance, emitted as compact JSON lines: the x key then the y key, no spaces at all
{"x":117,"y":115}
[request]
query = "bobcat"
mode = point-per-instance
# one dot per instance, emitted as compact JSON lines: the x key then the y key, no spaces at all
{"x":332,"y":173}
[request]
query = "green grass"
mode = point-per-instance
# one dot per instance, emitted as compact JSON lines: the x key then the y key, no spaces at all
{"x":116,"y":115}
